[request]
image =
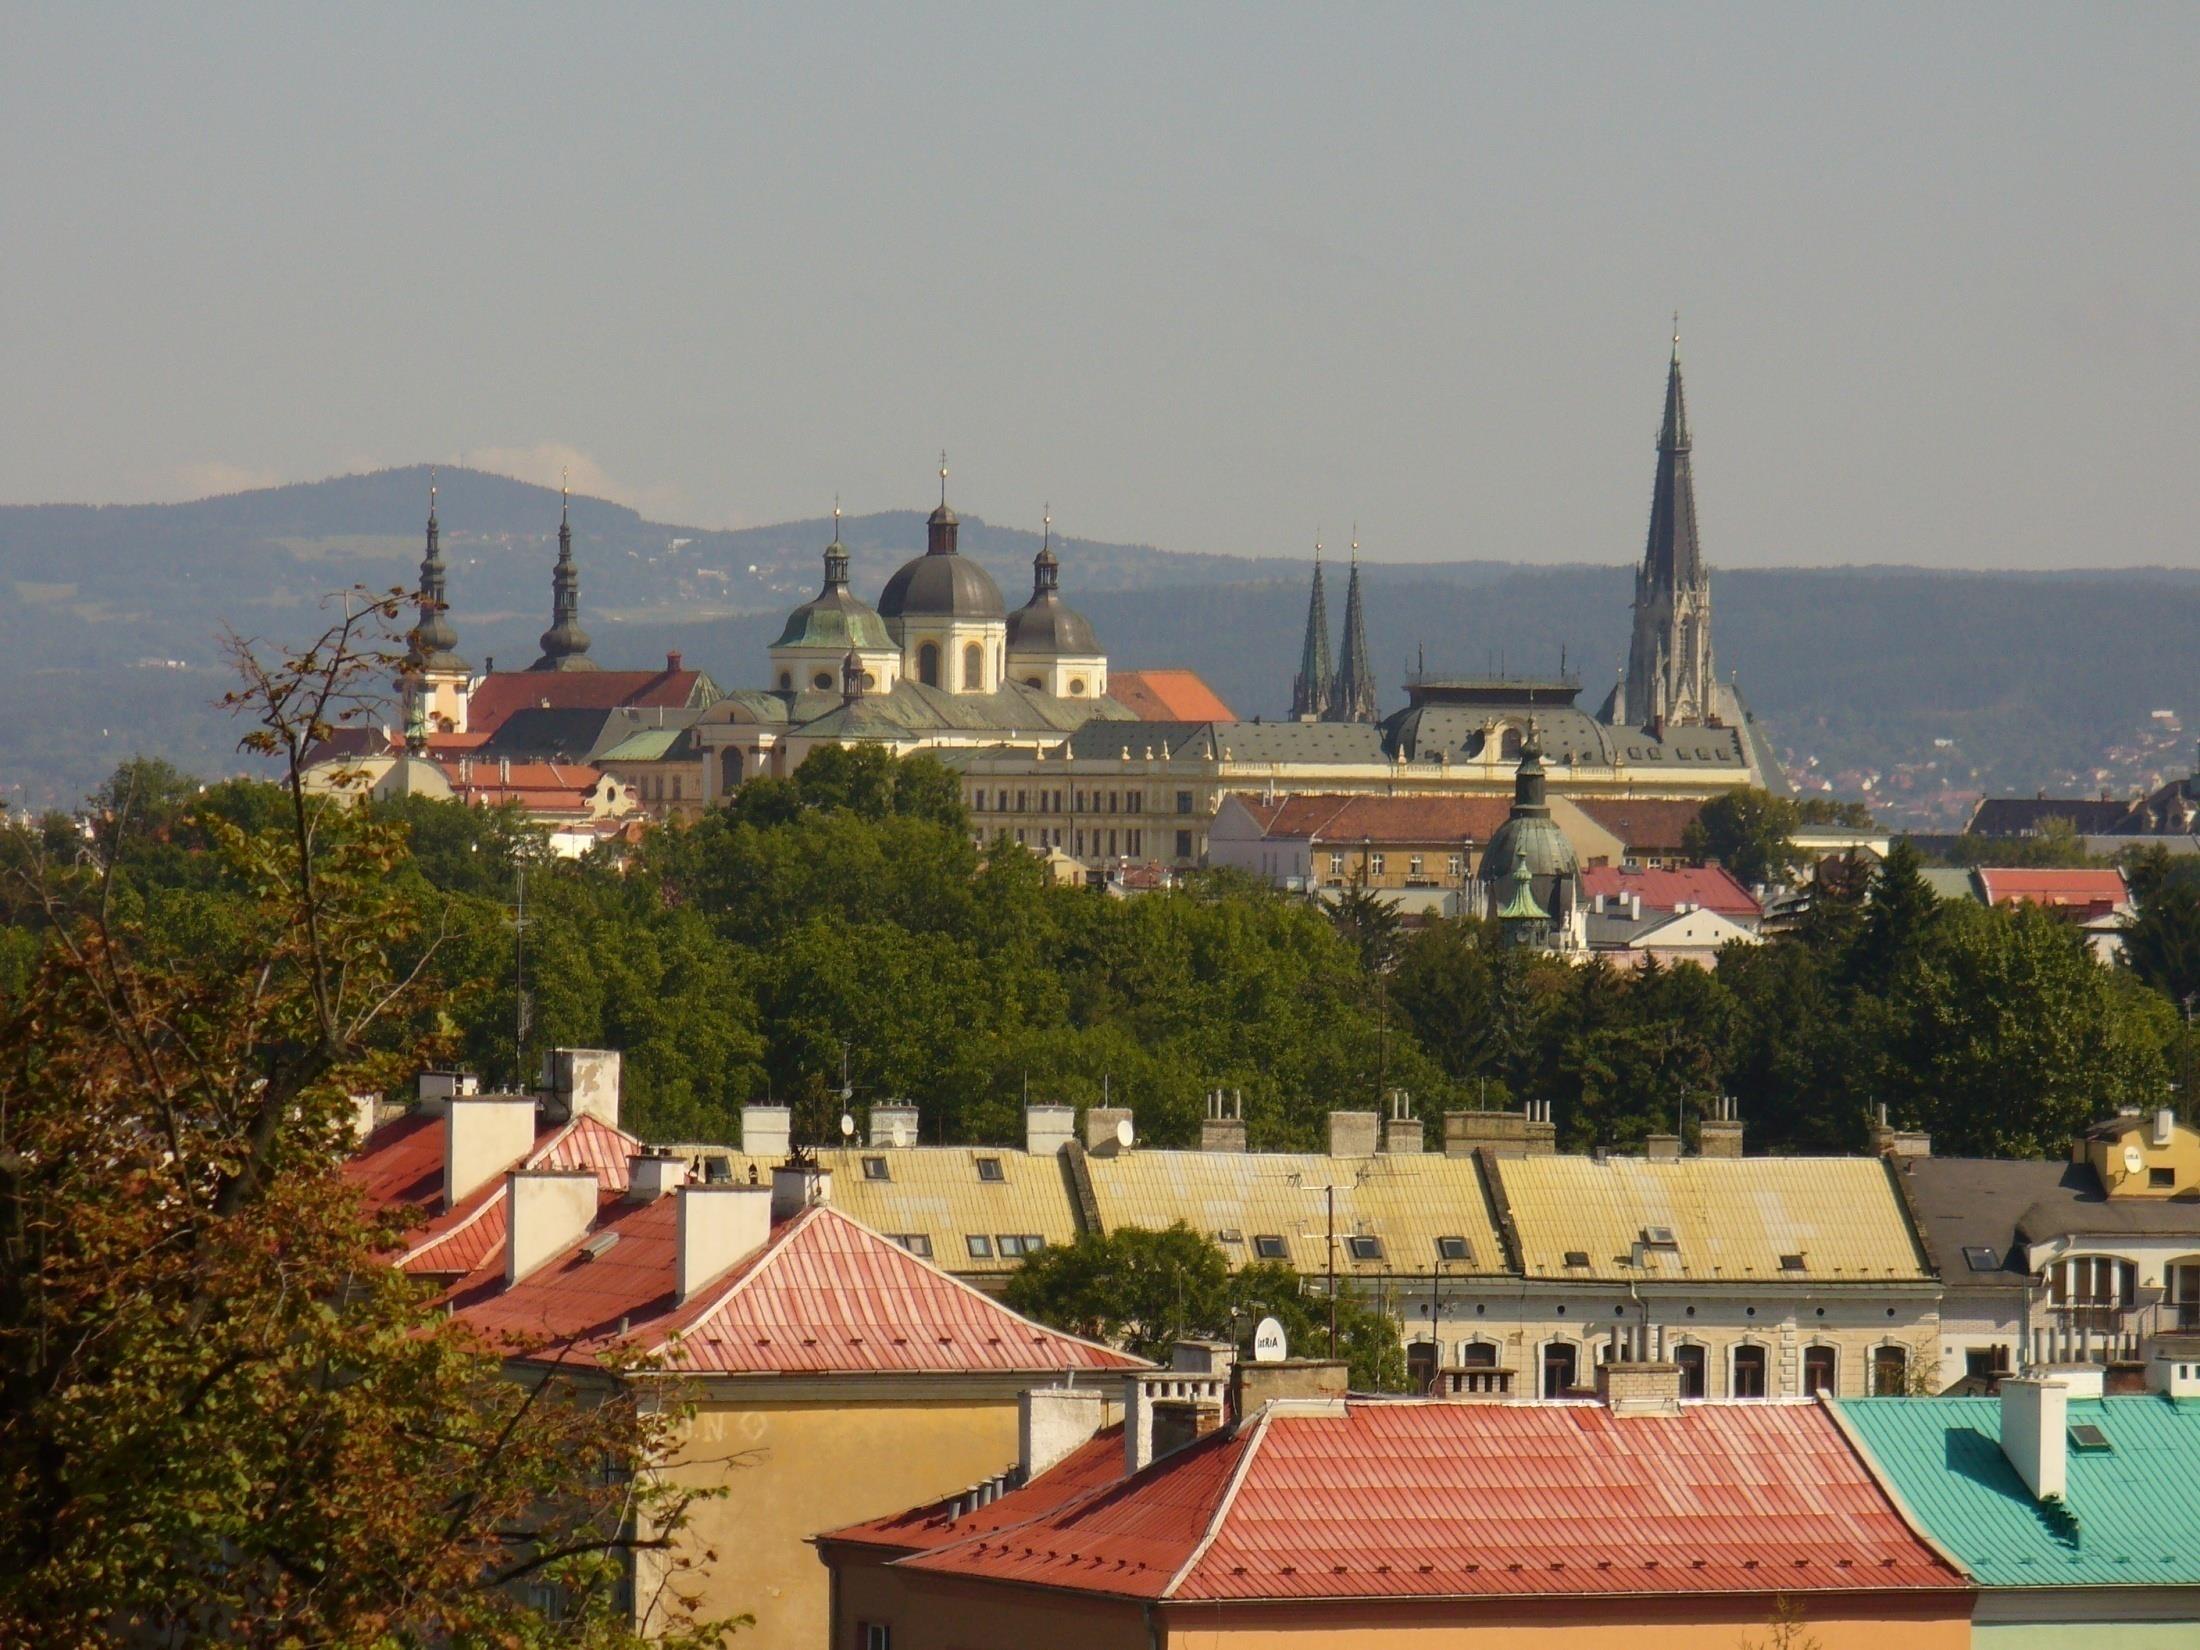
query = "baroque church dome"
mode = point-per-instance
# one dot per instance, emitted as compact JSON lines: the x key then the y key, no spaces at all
{"x":941,"y":584}
{"x":1047,"y":625}
{"x":835,"y":617}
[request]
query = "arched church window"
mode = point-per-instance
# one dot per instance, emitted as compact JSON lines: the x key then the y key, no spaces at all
{"x":973,"y":668}
{"x":786,"y":681}
{"x":928,"y":664}
{"x":1509,"y":746}
{"x":729,"y":771}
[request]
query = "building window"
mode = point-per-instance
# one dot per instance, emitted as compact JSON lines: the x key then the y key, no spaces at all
{"x":1111,"y":842}
{"x":874,"y":1168}
{"x":1015,"y":1245}
{"x":1455,"y":866}
{"x":928,"y":664}
{"x":1819,"y":1371}
{"x":1137,"y":838}
{"x":1423,"y":1359}
{"x":1985,"y":1363}
{"x":1033,"y":682}
{"x":1019,"y":801}
{"x":1560,"y":1365}
{"x":786,"y":681}
{"x":1477,"y":1355}
{"x":1362,"y":1247}
{"x":823,"y":679}
{"x":1336,"y":865}
{"x":1268,"y":1246}
{"x":1374,"y":865}
{"x":989,"y":1168}
{"x":1413,"y":865}
{"x":1183,"y":802}
{"x":1135,"y":803}
{"x":1077,"y":687}
{"x":1454,"y":1248}
{"x":1749,"y":1372}
{"x":1690,"y":1360}
{"x":1113,"y":798}
{"x":1183,"y":845}
{"x":2162,"y":1180}
{"x":2092,"y":1292}
{"x":874,"y":1635}
{"x":1890,"y":1372}
{"x":1080,"y":844}
{"x":916,"y":1243}
{"x":973,"y":668}
{"x":979,"y":1245}
{"x":1078,"y":800}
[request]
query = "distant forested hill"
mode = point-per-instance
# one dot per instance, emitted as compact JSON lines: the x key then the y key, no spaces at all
{"x":109,"y":623}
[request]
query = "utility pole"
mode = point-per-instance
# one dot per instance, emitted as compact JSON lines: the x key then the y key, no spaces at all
{"x":521,"y":1018}
{"x":1331,"y":1190}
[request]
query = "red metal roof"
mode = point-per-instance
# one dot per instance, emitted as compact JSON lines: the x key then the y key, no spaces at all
{"x":2081,"y":890}
{"x":497,"y":696}
{"x":1168,"y":696}
{"x":825,"y":1295}
{"x":1433,"y":1499}
{"x":400,"y":1166}
{"x":1711,"y":886}
{"x":1093,"y":1465}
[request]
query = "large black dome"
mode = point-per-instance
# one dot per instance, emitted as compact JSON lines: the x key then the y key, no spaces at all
{"x":941,"y":586}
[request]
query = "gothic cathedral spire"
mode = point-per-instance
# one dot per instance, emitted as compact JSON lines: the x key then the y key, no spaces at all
{"x":1310,"y":687}
{"x":1671,"y":680}
{"x":1352,"y":697}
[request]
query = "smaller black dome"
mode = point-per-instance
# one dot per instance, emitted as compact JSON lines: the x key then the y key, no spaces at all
{"x":1047,"y":624}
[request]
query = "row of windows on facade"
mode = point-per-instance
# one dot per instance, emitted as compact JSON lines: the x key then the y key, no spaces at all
{"x":1104,"y":844}
{"x":1748,"y":1367}
{"x":981,"y":1245}
{"x":1455,"y":866}
{"x":1050,"y":802}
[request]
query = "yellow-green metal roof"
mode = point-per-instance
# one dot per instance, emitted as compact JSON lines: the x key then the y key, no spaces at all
{"x":936,"y":1192}
{"x":1407,"y":1200}
{"x":1730,"y":1219}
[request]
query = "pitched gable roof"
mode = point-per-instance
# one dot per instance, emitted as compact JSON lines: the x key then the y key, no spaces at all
{"x":825,"y":1295}
{"x":1411,"y":1499}
{"x":1712,"y":887}
{"x":497,"y":696}
{"x":1168,"y":696}
{"x":1094,"y":1464}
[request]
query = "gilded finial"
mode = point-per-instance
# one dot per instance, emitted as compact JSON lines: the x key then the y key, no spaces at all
{"x":836,"y":515}
{"x":1355,"y":544}
{"x":1046,"y":520}
{"x":943,"y":475}
{"x":1676,"y":335}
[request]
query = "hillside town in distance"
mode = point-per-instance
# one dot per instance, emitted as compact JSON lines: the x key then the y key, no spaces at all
{"x":971,"y":1146}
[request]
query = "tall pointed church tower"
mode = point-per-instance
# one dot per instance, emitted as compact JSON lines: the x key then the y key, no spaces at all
{"x":1310,"y":687}
{"x":1670,"y":680}
{"x":565,"y":643}
{"x":1352,"y":697}
{"x":433,"y":680}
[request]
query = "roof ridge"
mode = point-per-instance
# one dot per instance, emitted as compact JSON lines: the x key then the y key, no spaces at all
{"x":1263,"y":1419}
{"x":754,"y":1266}
{"x":496,"y":1192}
{"x":1887,"y":1487}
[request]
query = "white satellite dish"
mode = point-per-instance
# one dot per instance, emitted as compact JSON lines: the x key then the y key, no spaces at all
{"x":847,"y":1127}
{"x":901,"y":1134}
{"x":2134,"y":1160}
{"x":1123,"y":1132}
{"x":1268,"y":1343}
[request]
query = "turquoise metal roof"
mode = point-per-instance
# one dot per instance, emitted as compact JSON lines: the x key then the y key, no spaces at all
{"x":2130,"y":1517}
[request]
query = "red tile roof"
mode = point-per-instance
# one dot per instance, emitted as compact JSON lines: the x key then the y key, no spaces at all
{"x":1408,"y":1499}
{"x":1093,"y":1465}
{"x":497,"y":696}
{"x":538,"y":787}
{"x":1334,"y":818}
{"x":1645,"y":825}
{"x":2081,"y":890}
{"x":826,"y":1295}
{"x":1713,"y":887}
{"x":400,"y":1168}
{"x":1168,"y":696}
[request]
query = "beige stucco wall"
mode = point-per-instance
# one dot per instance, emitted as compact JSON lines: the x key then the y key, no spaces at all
{"x":798,"y":1466}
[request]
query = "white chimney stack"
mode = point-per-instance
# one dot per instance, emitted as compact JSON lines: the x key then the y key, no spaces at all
{"x":1048,"y":1129}
{"x":2165,"y":1125}
{"x":1051,"y":1421}
{"x":582,"y":1082}
{"x":767,"y":1131}
{"x":651,"y":1175}
{"x":2035,"y":1420}
{"x":549,"y":1211}
{"x":720,"y":1227}
{"x":483,"y":1135}
{"x":796,"y":1186}
{"x":893,"y":1125}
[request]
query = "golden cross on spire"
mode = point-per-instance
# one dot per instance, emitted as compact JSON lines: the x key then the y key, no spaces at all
{"x":1676,"y":335}
{"x":943,"y":475}
{"x":1046,"y":519}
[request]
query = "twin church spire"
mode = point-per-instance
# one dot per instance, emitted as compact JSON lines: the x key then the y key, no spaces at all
{"x":1347,"y":692}
{"x":1671,"y":679}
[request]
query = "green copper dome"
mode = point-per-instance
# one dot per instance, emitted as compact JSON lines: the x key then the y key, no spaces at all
{"x":835,"y":617}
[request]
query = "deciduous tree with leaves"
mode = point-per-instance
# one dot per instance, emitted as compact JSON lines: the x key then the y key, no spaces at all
{"x":222,"y":1417}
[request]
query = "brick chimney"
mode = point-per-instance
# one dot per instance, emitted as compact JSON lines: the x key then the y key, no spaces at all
{"x":483,"y":1135}
{"x":1307,"y":1380}
{"x":1528,"y":1132}
{"x":581,"y":1082}
{"x":1353,"y":1133}
{"x":719,"y":1228}
{"x":1631,"y":1388}
{"x":549,"y":1211}
{"x":1719,"y":1132}
{"x":1223,"y":1129}
{"x":1146,"y":1392}
{"x":1402,"y":1130}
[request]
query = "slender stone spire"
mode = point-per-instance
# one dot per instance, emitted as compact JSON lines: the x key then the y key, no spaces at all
{"x":433,"y":640}
{"x":565,"y":643}
{"x":1310,"y":687}
{"x":1671,"y":678}
{"x":1352,"y":698}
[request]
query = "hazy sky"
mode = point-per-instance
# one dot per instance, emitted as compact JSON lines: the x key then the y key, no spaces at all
{"x":1212,"y":278}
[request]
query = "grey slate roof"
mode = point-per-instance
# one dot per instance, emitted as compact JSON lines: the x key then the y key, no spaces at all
{"x":1989,"y":1202}
{"x":912,"y":708}
{"x":2028,"y":815}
